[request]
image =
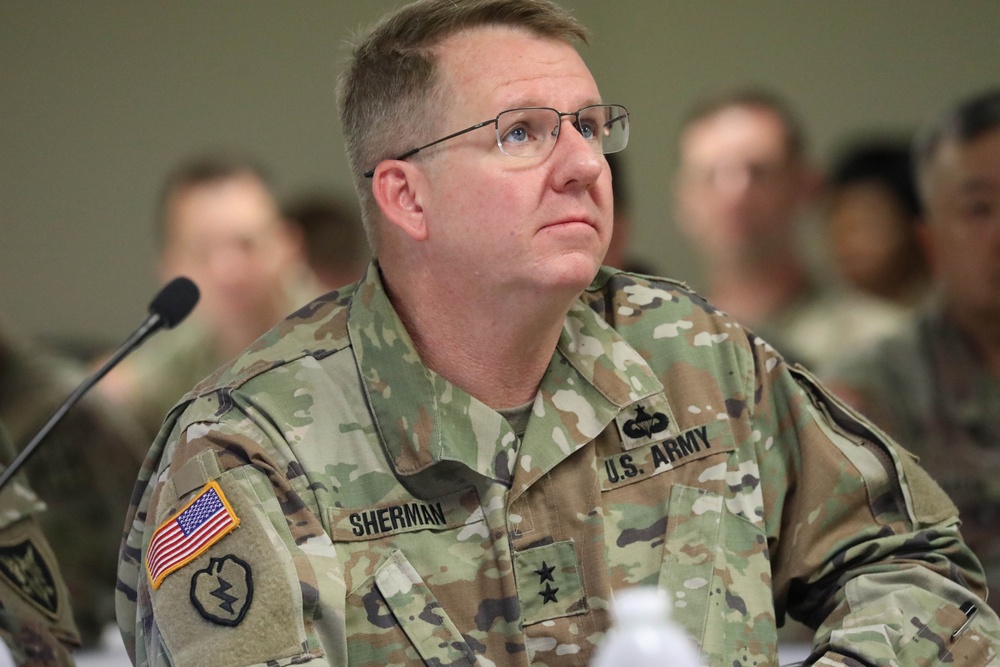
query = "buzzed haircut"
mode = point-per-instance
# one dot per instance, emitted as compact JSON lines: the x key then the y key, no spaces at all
{"x":968,"y":120}
{"x":202,"y":170}
{"x":752,"y":98}
{"x":388,"y":92}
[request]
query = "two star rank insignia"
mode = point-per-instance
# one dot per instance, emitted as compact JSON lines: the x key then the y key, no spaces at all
{"x":549,"y":583}
{"x":544,"y":577}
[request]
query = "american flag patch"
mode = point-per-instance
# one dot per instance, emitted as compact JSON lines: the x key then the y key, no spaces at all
{"x":189,"y":533}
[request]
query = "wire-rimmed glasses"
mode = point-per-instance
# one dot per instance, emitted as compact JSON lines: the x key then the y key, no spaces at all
{"x":533,"y":131}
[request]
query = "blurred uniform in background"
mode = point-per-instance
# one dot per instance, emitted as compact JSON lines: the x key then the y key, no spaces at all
{"x":84,"y":470}
{"x":743,"y":187}
{"x":219,"y":224}
{"x":36,"y":619}
{"x":936,"y":384}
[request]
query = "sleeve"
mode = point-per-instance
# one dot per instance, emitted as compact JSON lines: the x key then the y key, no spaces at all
{"x":36,"y":620}
{"x":226,"y":561}
{"x":865,"y":546}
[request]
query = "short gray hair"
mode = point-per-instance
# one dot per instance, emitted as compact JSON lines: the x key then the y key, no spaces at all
{"x":386,"y":93}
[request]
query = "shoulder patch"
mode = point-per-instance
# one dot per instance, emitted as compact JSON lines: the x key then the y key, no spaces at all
{"x":24,"y":567}
{"x":205,"y":520}
{"x":223,"y":591}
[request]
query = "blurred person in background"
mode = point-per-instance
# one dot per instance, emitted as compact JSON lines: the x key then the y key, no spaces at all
{"x":218,"y":223}
{"x":744,"y":184}
{"x":36,"y":616}
{"x":935,"y":385}
{"x":872,"y":214}
{"x":84,"y":471}
{"x":618,"y":254}
{"x":333,"y":237}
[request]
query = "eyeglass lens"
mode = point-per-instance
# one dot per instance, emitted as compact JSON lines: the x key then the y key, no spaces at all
{"x":533,"y":132}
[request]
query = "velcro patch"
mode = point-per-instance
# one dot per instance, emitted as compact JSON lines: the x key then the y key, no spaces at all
{"x":646,"y":422}
{"x":205,"y":520}
{"x":222,"y":591}
{"x":549,"y":583}
{"x":24,"y":566}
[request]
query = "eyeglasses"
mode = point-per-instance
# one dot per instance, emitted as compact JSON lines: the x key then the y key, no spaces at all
{"x":532,"y":131}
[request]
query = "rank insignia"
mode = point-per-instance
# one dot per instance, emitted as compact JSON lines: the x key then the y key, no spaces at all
{"x":549,"y":582}
{"x":223,"y":591}
{"x":24,"y":567}
{"x":189,"y":533}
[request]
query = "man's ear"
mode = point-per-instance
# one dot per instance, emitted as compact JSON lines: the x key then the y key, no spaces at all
{"x":399,"y":188}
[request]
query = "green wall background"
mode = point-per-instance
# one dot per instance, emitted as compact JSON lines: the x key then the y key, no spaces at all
{"x":99,"y":99}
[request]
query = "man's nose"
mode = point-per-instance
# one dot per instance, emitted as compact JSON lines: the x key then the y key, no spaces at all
{"x":578,"y":160}
{"x":731,"y":178}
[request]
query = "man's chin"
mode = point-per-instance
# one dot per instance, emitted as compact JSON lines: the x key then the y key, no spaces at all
{"x":573,"y":272}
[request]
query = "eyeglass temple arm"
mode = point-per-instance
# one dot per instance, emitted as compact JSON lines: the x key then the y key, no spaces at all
{"x":414,"y":151}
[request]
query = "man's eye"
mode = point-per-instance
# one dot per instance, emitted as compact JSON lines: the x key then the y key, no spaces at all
{"x":588,"y":129}
{"x":516,"y":135}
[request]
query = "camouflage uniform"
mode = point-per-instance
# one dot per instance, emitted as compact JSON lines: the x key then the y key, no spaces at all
{"x":386,"y":517}
{"x":928,"y":388}
{"x":85,"y":470}
{"x":165,"y":368}
{"x":823,"y":322}
{"x":36,"y":622}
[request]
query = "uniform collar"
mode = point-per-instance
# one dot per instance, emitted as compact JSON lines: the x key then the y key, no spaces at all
{"x":423,"y":419}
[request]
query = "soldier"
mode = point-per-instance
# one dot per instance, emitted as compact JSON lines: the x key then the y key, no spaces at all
{"x":86,"y":496}
{"x":460,"y":459}
{"x":36,"y":621}
{"x":218,"y":223}
{"x":936,"y":384}
{"x":743,"y":186}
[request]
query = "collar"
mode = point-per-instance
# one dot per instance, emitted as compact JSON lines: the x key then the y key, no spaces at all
{"x":423,"y":419}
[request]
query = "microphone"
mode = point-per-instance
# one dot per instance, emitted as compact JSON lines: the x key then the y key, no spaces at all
{"x":168,"y":308}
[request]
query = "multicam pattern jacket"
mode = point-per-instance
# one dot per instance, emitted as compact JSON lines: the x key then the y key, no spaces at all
{"x":386,"y":517}
{"x":929,"y":388}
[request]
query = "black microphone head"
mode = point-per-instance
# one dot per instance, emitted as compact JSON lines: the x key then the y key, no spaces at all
{"x":175,"y":301}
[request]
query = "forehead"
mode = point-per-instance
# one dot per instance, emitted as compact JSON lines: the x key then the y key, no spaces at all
{"x":230,"y":205}
{"x":735,"y":133}
{"x":977,"y":159}
{"x":499,"y":67}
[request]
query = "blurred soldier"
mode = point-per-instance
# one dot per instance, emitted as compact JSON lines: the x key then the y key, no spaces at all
{"x":36,"y":619}
{"x":85,"y":470}
{"x":219,"y":225}
{"x":619,"y":254}
{"x":872,"y":215}
{"x":743,"y":185}
{"x":936,"y":384}
{"x":333,"y":238}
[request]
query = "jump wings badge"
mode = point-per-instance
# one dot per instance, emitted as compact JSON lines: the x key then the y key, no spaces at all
{"x":645,"y":425}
